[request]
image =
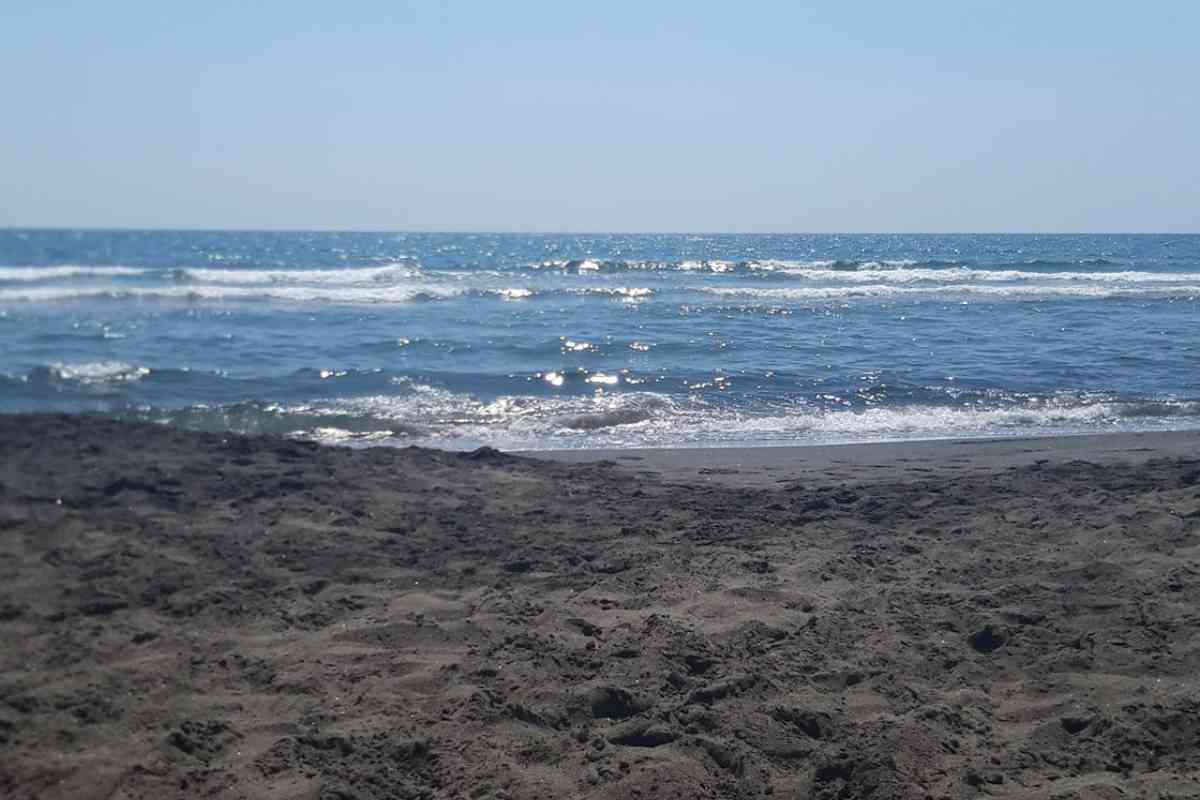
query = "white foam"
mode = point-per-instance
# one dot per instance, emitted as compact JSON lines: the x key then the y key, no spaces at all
{"x":450,"y":416}
{"x":591,"y":265}
{"x":807,"y":423}
{"x":816,"y":265}
{"x":885,"y":290}
{"x":949,"y":420}
{"x":35,"y":274}
{"x":705,"y":266}
{"x":902,"y":270}
{"x":362,"y":276}
{"x":628,"y":292}
{"x":333,"y":435}
{"x":712,"y":265}
{"x":295,"y":294}
{"x":963,"y":274}
{"x":432,"y":415}
{"x":99,"y":372}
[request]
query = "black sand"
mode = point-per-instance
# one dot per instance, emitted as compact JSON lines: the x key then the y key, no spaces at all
{"x":189,"y":615}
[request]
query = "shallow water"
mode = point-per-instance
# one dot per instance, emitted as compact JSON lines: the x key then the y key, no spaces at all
{"x":555,"y":341}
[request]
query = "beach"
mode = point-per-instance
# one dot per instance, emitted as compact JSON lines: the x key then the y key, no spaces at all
{"x":205,"y":614}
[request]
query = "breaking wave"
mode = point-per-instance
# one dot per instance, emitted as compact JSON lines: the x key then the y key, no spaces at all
{"x":407,"y":281}
{"x":723,"y":266}
{"x":966,"y":274}
{"x":422,"y":414}
{"x":610,"y":340}
{"x":356,"y":276}
{"x":968,"y":289}
{"x":90,"y":372}
{"x":293,"y":294}
{"x":37,"y":274}
{"x":382,"y":294}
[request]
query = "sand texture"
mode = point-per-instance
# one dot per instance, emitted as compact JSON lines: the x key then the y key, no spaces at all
{"x":187,"y":615}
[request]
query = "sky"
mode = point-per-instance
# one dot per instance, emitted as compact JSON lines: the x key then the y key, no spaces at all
{"x":615,"y":116}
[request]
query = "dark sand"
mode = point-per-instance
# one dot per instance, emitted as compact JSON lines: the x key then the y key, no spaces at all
{"x":189,"y":615}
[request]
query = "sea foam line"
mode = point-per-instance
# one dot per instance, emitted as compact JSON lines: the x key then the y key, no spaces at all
{"x":295,"y":294}
{"x":448,"y":418}
{"x":883,"y":290}
{"x":395,"y":294}
{"x":952,"y":274}
{"x":841,"y":265}
{"x":331,"y":277}
{"x":99,"y":371}
{"x":383,"y":294}
{"x":35,"y":274}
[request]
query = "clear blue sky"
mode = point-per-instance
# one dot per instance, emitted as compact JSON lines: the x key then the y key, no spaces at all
{"x":630,"y":116}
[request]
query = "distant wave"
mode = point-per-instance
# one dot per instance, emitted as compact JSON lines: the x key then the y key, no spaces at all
{"x":404,"y":282}
{"x":721,"y":266}
{"x":878,"y":290}
{"x":967,"y":274}
{"x":619,"y":291}
{"x":331,"y":294}
{"x":294,"y":294}
{"x":397,"y":294}
{"x":36,"y":274}
{"x":322,"y":277}
{"x":407,"y":270}
{"x":95,"y":372}
{"x":900,"y":271}
{"x":1046,"y":262}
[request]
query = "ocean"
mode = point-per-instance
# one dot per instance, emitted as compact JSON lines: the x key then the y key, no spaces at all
{"x":612,"y":340}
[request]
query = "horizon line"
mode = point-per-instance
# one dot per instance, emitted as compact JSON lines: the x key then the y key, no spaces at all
{"x":516,"y":232}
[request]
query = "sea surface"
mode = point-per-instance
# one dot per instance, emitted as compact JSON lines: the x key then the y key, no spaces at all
{"x":566,"y":341}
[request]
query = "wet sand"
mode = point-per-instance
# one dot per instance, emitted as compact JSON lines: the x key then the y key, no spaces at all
{"x":193,"y":615}
{"x":835,"y":464}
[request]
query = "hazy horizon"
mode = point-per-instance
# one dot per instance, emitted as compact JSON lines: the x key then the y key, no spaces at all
{"x":389,"y":117}
{"x":480,"y":232}
{"x":597,"y":232}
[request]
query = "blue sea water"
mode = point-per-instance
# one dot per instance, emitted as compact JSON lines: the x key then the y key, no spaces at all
{"x":562,"y":341}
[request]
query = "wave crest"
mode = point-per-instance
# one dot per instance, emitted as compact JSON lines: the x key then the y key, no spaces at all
{"x":785,"y":265}
{"x":356,"y":276}
{"x":880,"y":290}
{"x":98,"y":372}
{"x":295,"y":294}
{"x":38,"y":274}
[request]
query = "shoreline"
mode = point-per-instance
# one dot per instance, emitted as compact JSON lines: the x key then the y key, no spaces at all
{"x":885,"y":460}
{"x":204,"y":614}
